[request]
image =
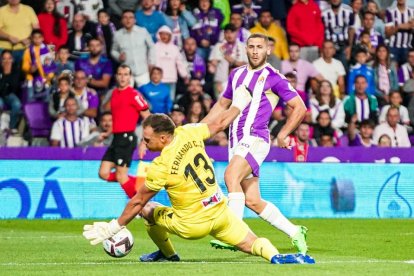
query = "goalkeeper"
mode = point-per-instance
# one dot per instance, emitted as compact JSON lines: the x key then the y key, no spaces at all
{"x":198,"y":205}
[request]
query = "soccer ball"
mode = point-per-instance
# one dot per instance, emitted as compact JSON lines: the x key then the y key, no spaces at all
{"x":120,"y":244}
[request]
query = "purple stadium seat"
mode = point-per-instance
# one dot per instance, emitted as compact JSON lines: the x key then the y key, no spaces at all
{"x":38,"y":119}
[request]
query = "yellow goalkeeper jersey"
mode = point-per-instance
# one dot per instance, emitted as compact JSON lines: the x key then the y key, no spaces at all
{"x":187,"y":174}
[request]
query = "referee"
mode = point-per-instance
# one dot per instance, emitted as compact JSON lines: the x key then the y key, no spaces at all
{"x":127,"y":105}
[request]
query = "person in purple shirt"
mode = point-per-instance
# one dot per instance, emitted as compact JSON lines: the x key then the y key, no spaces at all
{"x":363,"y":138}
{"x":87,"y":97}
{"x":207,"y":29}
{"x":249,"y":141}
{"x":97,"y":67}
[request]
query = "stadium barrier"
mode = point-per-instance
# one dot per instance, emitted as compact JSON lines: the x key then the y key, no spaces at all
{"x":63,"y":183}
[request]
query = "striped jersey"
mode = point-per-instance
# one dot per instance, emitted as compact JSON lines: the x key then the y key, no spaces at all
{"x":404,"y":73}
{"x":267,"y":85}
{"x":70,"y":133}
{"x":337,"y":25}
{"x":401,"y":39}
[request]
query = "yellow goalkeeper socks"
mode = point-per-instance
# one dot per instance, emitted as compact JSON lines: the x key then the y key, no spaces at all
{"x":262,"y":247}
{"x":161,"y":238}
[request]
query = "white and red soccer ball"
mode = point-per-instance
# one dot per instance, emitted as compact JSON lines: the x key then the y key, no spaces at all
{"x":120,"y":244}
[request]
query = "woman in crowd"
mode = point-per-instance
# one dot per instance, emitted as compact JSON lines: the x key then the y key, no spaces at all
{"x":176,"y":15}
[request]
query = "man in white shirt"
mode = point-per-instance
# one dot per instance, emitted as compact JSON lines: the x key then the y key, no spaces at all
{"x":133,"y":46}
{"x":331,"y":69}
{"x":397,"y":132}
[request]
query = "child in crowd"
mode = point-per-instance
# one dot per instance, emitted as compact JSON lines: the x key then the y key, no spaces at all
{"x":63,"y":64}
{"x":39,"y":66}
{"x":56,"y":103}
{"x":105,"y":30}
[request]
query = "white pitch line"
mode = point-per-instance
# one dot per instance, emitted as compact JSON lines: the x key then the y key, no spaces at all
{"x":198,"y":263}
{"x":41,"y":237}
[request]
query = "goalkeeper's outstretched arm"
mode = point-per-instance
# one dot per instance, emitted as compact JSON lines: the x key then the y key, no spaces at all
{"x":135,"y":205}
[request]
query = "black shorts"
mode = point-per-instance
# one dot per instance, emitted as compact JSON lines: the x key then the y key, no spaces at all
{"x":121,"y":149}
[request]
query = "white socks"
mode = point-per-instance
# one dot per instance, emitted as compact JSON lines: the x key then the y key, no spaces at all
{"x":236,"y":203}
{"x":272,"y":215}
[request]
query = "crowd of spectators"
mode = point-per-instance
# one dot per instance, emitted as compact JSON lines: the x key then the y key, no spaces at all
{"x":351,"y":61}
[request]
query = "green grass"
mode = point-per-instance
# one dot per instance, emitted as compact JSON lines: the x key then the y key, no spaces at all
{"x":339,"y":246}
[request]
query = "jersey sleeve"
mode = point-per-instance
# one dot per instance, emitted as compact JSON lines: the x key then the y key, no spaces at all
{"x":283,"y":88}
{"x":156,"y":176}
{"x":199,"y":131}
{"x":228,"y":92}
{"x":140,"y":103}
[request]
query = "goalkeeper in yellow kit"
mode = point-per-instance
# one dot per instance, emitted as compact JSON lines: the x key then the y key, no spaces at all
{"x":198,"y":205}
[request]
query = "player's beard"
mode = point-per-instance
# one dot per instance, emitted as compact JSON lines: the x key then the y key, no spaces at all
{"x":259,"y":63}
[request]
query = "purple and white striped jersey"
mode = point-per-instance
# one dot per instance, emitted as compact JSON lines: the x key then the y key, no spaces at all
{"x":337,"y":25}
{"x":402,"y":39}
{"x":404,"y":73}
{"x":70,"y":133}
{"x":267,"y":86}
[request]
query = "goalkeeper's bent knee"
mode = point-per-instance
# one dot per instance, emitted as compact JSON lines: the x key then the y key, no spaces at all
{"x":264,"y":248}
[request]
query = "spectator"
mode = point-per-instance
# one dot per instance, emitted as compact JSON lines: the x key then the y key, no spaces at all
{"x":181,"y":21}
{"x":67,"y":9}
{"x":322,"y":127}
{"x":405,"y":72}
{"x":361,"y":68}
{"x":78,"y":37}
{"x":384,"y":141}
{"x":170,"y":60}
{"x":368,"y":26}
{"x":17,"y":21}
{"x":69,"y":130}
{"x":57,"y":100}
{"x":89,"y":8}
{"x":249,"y":12}
{"x":272,"y":59}
{"x":194,"y":93}
{"x":149,"y":18}
{"x":395,"y":101}
{"x":157,"y":93}
{"x":304,"y":69}
{"x":39,"y":67}
{"x":196,"y":64}
{"x":116,"y":8}
{"x":338,"y":20}
{"x":225,"y":56}
{"x":361,"y":103}
{"x":379,"y":24}
{"x":357,"y":6}
{"x":331,"y":69}
{"x":105,"y":31}
{"x":399,"y":24}
{"x":53,"y":25}
{"x":9,"y":89}
{"x":97,"y":67}
{"x":266,"y":26}
{"x":326,"y":100}
{"x":177,"y":115}
{"x":102,"y":135}
{"x":364,"y":136}
{"x":305,"y":27}
{"x":242,"y":33}
{"x":363,"y":42}
{"x":397,"y":132}
{"x":63,"y":64}
{"x":4,"y":126}
{"x":87,"y":97}
{"x":133,"y":46}
{"x":300,"y":142}
{"x":207,"y":29}
{"x":327,"y":139}
{"x":385,"y":71}
{"x":278,"y":9}
{"x":196,"y":112}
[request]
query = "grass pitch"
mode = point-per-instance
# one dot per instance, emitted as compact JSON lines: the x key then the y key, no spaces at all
{"x":339,"y":246}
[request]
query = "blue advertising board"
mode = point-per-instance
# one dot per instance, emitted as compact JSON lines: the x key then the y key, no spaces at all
{"x":72,"y":189}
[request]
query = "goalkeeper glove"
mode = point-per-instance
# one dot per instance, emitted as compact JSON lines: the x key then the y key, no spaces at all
{"x":100,"y":231}
{"x":241,"y":97}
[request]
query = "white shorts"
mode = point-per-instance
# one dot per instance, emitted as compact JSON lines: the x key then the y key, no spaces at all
{"x":253,"y":149}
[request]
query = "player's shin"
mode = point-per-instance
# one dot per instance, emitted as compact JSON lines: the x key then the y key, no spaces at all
{"x":236,"y":203}
{"x":272,"y":215}
{"x":161,"y":238}
{"x":262,"y":247}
